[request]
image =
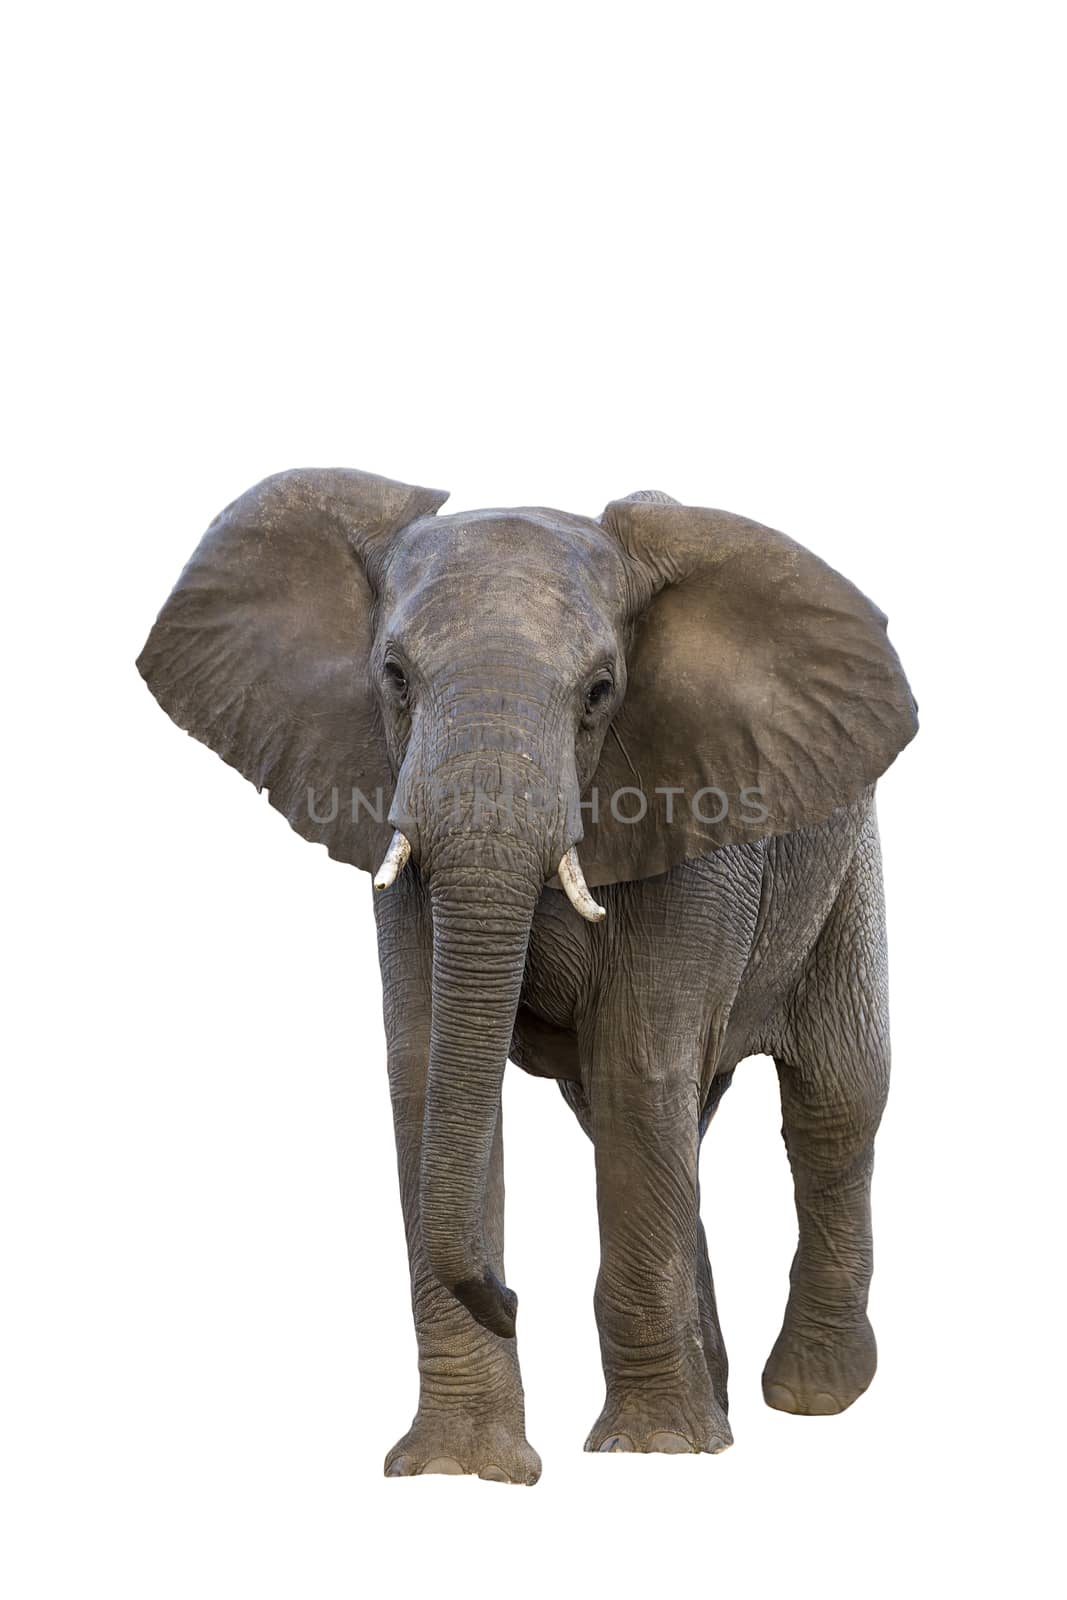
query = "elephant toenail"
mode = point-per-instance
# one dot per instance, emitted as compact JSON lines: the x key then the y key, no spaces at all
{"x":618,"y":1442}
{"x":494,"y":1474}
{"x":444,"y":1464}
{"x":781,"y":1398}
{"x":670,"y":1444}
{"x":824,"y":1405}
{"x":400,"y":1467}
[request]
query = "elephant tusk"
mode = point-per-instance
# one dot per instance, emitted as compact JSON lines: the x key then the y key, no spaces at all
{"x":572,"y":878}
{"x":396,"y":859}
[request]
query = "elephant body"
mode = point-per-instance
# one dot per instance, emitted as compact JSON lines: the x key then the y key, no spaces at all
{"x":504,"y":679}
{"x":766,"y":903}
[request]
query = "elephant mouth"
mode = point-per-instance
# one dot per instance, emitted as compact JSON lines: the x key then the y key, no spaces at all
{"x":571,"y":876}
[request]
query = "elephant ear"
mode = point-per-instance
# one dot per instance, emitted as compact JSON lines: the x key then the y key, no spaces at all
{"x":262,"y":651}
{"x":761,"y":685}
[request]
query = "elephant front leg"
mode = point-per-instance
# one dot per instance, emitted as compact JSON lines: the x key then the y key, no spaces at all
{"x":654,"y":1330}
{"x":471,"y":1415}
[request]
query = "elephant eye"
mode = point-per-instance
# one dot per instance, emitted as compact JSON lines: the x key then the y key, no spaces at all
{"x":598,"y":692}
{"x":394,"y":677}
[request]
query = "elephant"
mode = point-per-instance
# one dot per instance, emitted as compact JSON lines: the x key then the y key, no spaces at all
{"x":455,"y":703}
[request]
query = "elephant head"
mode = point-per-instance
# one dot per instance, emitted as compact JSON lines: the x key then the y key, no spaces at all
{"x":483,"y":692}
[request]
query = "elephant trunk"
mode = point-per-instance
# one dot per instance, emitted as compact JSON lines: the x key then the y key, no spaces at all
{"x":487,"y":799}
{"x":482,"y":914}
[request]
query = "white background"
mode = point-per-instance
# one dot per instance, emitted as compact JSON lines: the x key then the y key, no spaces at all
{"x":798,"y":261}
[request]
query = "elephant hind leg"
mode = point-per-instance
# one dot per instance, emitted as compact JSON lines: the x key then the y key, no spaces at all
{"x":833,"y":1071}
{"x":710,"y":1331}
{"x":576,"y":1098}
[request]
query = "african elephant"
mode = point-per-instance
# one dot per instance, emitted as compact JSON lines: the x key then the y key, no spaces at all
{"x":458,"y":702}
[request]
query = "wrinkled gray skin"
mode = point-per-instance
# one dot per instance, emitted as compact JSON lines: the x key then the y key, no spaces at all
{"x":785,"y":939}
{"x":487,"y":647}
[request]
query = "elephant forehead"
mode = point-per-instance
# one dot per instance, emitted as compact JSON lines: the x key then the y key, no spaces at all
{"x":529,"y":570}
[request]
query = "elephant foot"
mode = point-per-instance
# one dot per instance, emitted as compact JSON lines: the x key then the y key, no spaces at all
{"x":818,"y":1376}
{"x":456,"y":1443}
{"x":655,"y":1423}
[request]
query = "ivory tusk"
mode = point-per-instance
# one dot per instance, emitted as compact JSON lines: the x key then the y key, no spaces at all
{"x":572,"y":878}
{"x":396,"y":859}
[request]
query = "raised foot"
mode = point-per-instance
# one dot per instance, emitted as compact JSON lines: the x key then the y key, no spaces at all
{"x":819,"y":1376}
{"x":658,"y":1425}
{"x":455,"y":1443}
